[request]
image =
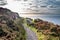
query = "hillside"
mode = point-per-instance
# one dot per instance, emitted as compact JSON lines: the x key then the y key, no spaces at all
{"x":10,"y":25}
{"x":14,"y":27}
{"x":45,"y":30}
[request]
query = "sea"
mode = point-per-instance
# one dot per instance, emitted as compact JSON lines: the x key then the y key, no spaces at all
{"x":54,"y":18}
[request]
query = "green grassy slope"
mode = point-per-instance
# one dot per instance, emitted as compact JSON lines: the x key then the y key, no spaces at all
{"x":41,"y":36}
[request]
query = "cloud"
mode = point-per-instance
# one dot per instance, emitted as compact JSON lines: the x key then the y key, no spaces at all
{"x":34,"y":6}
{"x":3,"y":2}
{"x":48,"y":6}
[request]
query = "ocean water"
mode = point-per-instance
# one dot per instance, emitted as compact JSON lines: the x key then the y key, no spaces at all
{"x":54,"y":18}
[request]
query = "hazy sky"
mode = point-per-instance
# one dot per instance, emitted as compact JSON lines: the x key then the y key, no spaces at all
{"x":34,"y":6}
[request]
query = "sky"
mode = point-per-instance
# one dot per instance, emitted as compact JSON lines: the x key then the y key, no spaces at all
{"x":34,"y":6}
{"x":48,"y":10}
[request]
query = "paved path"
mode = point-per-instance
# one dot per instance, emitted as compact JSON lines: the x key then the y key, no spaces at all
{"x":30,"y":34}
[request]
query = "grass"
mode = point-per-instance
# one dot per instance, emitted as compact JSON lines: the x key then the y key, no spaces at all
{"x":39,"y":35}
{"x":22,"y":32}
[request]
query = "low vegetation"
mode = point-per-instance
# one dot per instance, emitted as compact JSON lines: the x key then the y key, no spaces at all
{"x":45,"y":30}
{"x":11,"y":26}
